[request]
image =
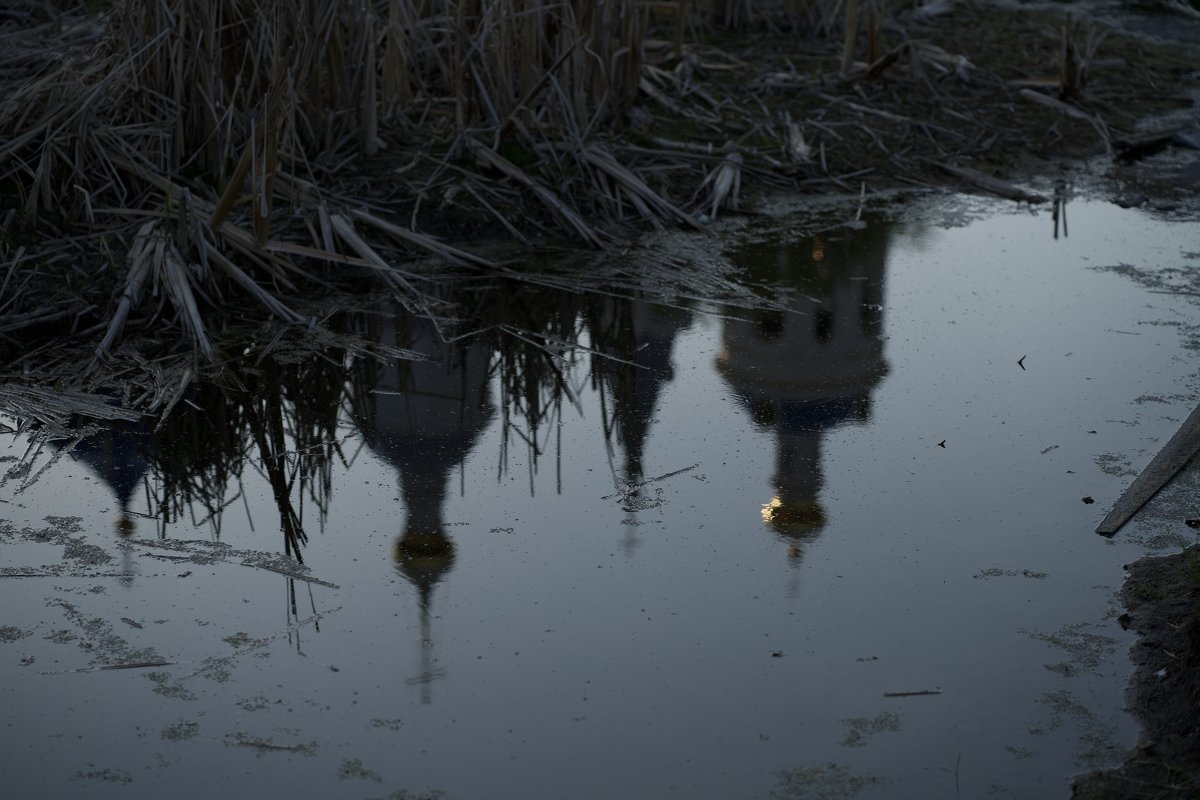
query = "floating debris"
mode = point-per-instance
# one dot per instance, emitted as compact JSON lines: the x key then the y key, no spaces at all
{"x":268,"y":746}
{"x":828,"y":781}
{"x":860,"y":728}
{"x":181,"y":731}
{"x":104,"y":776}
{"x":995,"y":572}
{"x":354,"y":768}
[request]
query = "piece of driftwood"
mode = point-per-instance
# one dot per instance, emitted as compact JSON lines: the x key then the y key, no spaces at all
{"x":993,"y":185}
{"x":1177,"y":452}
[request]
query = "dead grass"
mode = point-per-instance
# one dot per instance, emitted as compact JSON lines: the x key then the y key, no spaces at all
{"x":169,"y":157}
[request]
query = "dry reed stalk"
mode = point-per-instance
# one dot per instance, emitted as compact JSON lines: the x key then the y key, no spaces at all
{"x":636,"y":189}
{"x":426,"y":243}
{"x":681,"y":19}
{"x":548,"y":198}
{"x":390,"y":273}
{"x":725,"y":183}
{"x":849,"y":35}
{"x":1080,"y":41}
{"x":875,"y":13}
{"x":139,"y":269}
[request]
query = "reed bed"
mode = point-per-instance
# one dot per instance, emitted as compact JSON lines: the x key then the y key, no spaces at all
{"x":208,"y":139}
{"x":171,"y":157}
{"x":213,"y":146}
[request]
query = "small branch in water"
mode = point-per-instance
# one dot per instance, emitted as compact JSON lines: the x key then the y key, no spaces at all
{"x":921,"y":693}
{"x":624,"y":492}
{"x":289,"y":574}
{"x":132,"y":665}
{"x":242,"y":740}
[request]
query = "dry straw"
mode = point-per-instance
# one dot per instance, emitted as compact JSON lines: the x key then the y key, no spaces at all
{"x":209,"y":141}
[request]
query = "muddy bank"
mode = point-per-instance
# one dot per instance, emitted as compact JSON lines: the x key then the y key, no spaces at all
{"x":1162,"y":596}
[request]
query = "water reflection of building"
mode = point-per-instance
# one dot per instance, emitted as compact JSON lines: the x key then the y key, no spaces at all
{"x":801,"y":374}
{"x":634,"y":339}
{"x":118,"y":452}
{"x":423,"y":418}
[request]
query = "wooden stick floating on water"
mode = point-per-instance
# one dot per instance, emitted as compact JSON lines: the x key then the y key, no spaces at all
{"x":921,"y":693}
{"x":105,"y":667}
{"x":1173,"y":457}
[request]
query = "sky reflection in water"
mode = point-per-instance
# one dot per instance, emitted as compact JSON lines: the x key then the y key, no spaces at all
{"x":691,"y":556}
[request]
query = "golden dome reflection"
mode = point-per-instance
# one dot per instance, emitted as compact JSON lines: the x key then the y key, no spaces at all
{"x":795,"y":519}
{"x":125,"y":525}
{"x":424,"y":557}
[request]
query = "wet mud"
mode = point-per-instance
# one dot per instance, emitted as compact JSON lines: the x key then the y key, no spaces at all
{"x":1162,"y":596}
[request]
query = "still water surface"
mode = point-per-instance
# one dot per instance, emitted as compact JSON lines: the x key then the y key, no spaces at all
{"x":695,"y":551}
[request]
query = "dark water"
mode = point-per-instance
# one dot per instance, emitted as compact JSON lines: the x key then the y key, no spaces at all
{"x":608,"y":548}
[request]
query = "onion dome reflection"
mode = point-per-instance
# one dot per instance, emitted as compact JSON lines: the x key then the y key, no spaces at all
{"x":119,"y":453}
{"x":422,"y":417}
{"x":801,"y":374}
{"x":633,"y":340}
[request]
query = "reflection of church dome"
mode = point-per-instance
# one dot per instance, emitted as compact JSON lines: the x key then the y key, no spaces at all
{"x":118,"y":453}
{"x":801,"y":374}
{"x":423,"y":418}
{"x":794,"y":520}
{"x":636,"y":338}
{"x":424,"y":558}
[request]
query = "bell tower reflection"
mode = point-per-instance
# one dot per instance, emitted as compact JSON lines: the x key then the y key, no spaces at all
{"x":801,"y":374}
{"x":422,"y":417}
{"x":118,"y":452}
{"x":635,"y":338}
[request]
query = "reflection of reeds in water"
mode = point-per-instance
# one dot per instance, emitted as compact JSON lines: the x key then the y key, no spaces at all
{"x":632,"y":340}
{"x":536,"y":335}
{"x":280,"y":414}
{"x":281,"y":419}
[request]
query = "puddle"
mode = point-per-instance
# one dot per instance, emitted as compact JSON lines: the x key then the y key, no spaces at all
{"x":606,"y":548}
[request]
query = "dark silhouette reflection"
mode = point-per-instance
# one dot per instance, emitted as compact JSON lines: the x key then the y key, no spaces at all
{"x":423,"y":418}
{"x":801,"y":374}
{"x":120,"y":453}
{"x":535,"y":334}
{"x":272,"y":415}
{"x":632,"y":341}
{"x":276,"y":411}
